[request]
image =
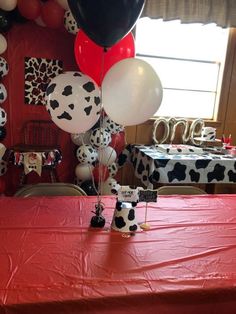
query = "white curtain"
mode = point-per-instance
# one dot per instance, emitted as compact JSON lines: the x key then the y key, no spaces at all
{"x":221,"y":12}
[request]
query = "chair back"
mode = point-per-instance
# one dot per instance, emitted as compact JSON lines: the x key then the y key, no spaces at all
{"x":50,"y":189}
{"x":40,"y":133}
{"x":180,"y":189}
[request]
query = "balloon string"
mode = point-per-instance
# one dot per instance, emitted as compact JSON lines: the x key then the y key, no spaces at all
{"x":101,"y":124}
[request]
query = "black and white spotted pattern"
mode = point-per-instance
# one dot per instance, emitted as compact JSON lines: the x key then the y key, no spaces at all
{"x":112,"y":126}
{"x":100,"y":138}
{"x":3,"y":93}
{"x":70,"y":23}
{"x":38,"y":74}
{"x":86,"y":154}
{"x":113,"y":169}
{"x":152,"y":167}
{"x":124,"y":219}
{"x":73,"y":101}
{"x":3,"y":167}
{"x":3,"y":117}
{"x":3,"y":67}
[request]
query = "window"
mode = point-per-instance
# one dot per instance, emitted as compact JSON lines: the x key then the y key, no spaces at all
{"x":189,"y":59}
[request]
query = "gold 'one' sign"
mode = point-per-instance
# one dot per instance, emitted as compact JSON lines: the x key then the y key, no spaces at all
{"x":189,"y":130}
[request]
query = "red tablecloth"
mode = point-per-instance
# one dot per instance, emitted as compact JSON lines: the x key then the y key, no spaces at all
{"x":51,"y":262}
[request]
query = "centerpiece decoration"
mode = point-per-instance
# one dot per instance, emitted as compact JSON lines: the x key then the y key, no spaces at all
{"x":112,"y":89}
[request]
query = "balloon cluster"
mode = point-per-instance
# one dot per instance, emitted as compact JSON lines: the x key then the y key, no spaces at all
{"x":110,"y":79}
{"x":47,"y":13}
{"x":97,"y":154}
{"x":105,"y":51}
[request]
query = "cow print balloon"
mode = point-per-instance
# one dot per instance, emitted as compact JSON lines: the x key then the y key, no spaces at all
{"x":3,"y":167}
{"x":100,"y":138}
{"x":109,"y":187}
{"x":112,"y":126}
{"x":86,"y":154}
{"x":3,"y":93}
{"x":70,"y":23}
{"x":3,"y":67}
{"x":3,"y":117}
{"x":113,"y":169}
{"x":73,"y":101}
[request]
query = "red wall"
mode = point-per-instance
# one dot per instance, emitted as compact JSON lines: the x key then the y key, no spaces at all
{"x":31,"y":40}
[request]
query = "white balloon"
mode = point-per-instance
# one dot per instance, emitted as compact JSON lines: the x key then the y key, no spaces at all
{"x":73,"y":101}
{"x":70,"y":23}
{"x":3,"y":44}
{"x":109,"y":187}
{"x":86,"y":154}
{"x":2,"y":150}
{"x":8,"y":5}
{"x":3,"y":117}
{"x":3,"y":93}
{"x":83,"y":172}
{"x":131,"y":92}
{"x":107,"y":156}
{"x":63,"y":4}
{"x":81,"y":138}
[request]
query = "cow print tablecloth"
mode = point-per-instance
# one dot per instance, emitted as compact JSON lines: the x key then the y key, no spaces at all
{"x":152,"y":166}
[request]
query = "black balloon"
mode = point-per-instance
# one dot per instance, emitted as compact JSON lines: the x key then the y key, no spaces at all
{"x":17,"y":17}
{"x":3,"y":133}
{"x":5,"y":21}
{"x":106,"y":21}
{"x":88,"y":187}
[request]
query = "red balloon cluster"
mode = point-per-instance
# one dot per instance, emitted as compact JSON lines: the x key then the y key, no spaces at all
{"x":94,"y":61}
{"x":51,"y":12}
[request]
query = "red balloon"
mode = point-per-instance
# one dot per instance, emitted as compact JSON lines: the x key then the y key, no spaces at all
{"x":29,"y":9}
{"x":93,"y":61}
{"x":52,"y":14}
{"x":100,"y":170}
{"x":118,"y":142}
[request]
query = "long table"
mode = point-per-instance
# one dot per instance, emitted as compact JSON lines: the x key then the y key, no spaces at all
{"x":152,"y":166}
{"x":51,"y":261}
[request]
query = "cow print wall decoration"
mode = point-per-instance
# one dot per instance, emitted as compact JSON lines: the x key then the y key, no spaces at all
{"x":38,"y":74}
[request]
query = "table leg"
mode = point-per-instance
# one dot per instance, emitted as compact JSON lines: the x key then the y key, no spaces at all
{"x":210,"y":188}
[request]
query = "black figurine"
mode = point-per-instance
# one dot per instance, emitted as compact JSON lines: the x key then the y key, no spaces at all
{"x":98,"y":221}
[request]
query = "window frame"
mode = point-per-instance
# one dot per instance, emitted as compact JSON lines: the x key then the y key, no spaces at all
{"x":220,"y":109}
